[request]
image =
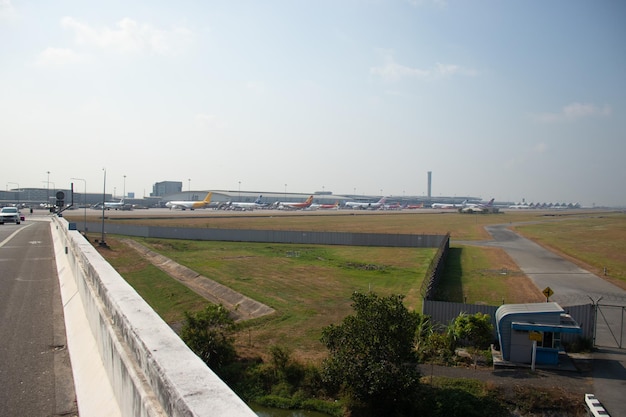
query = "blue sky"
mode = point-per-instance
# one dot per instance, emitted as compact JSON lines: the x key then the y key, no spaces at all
{"x":506,"y":99}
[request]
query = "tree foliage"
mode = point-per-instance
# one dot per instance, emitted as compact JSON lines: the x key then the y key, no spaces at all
{"x":475,"y":329}
{"x":372,"y":360}
{"x":208,"y":334}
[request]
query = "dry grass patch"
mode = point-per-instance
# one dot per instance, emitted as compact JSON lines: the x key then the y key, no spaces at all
{"x":309,"y":286}
{"x":593,"y":242}
{"x":485,"y":275}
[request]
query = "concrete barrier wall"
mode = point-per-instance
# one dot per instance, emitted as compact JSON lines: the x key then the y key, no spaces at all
{"x":152,"y":372}
{"x":274,"y":236}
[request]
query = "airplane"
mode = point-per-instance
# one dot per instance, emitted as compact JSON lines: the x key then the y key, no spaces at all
{"x":191,"y":205}
{"x":246,"y":206}
{"x":479,"y":207}
{"x":325,"y":206}
{"x":392,"y":206}
{"x":448,"y":205}
{"x":414,"y":206}
{"x":365,"y":206}
{"x":117,"y":205}
{"x":294,"y":206}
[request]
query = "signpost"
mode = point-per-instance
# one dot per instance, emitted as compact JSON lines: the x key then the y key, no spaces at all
{"x":548,"y":293}
{"x":535,"y":337}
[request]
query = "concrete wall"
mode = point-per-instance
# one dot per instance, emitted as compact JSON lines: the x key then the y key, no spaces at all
{"x":151,"y":371}
{"x":273,"y":236}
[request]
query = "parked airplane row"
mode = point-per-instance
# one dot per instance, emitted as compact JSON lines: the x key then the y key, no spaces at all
{"x":308,"y":204}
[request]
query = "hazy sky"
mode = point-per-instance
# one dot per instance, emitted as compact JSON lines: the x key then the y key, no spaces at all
{"x":507,"y":99}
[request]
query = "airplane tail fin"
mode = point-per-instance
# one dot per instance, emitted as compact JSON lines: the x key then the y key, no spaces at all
{"x":309,"y":200}
{"x":490,"y":203}
{"x":258,"y":200}
{"x":207,"y":199}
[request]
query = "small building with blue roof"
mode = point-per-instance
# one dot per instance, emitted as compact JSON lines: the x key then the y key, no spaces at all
{"x":518,"y":325}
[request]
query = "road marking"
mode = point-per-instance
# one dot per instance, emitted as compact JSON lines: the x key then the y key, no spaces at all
{"x":5,"y":241}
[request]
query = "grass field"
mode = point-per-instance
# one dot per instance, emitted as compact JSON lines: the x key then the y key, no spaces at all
{"x":310,"y":286}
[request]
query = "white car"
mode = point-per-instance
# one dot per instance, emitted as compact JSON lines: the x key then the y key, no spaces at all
{"x":10,"y":214}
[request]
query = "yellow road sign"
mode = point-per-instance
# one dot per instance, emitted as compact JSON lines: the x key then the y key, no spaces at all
{"x":537,"y":336}
{"x":548,"y":292}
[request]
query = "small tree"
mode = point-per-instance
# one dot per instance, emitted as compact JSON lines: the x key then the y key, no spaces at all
{"x":371,"y":353}
{"x":475,"y":329}
{"x":208,"y":334}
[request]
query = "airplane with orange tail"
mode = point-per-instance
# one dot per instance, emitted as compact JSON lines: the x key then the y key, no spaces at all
{"x":285,"y":205}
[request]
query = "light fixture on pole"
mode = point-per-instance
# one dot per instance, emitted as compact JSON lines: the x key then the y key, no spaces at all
{"x":84,"y":203}
{"x":104,"y":189}
{"x":48,"y":205}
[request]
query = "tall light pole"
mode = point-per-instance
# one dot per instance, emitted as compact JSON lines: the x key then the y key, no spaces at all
{"x":124,"y":190}
{"x":189,"y":187}
{"x":239,"y":195}
{"x":104,"y":190}
{"x":84,"y":203}
{"x":18,"y":192}
{"x":48,"y":192}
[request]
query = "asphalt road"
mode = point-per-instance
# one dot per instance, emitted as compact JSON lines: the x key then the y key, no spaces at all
{"x":35,"y":372}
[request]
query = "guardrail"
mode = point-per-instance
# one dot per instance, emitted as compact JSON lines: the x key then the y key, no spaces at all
{"x":152,"y":372}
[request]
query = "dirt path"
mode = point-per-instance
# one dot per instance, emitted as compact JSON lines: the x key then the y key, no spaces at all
{"x":240,"y":306}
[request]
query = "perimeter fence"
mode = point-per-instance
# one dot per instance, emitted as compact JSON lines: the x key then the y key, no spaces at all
{"x":278,"y":236}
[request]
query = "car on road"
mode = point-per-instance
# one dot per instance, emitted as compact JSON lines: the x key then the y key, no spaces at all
{"x":10,"y":214}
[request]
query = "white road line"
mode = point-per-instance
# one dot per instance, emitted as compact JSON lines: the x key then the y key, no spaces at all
{"x":5,"y":241}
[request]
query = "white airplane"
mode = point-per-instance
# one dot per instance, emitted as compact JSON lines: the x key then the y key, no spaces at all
{"x":334,"y":206}
{"x":366,"y":206}
{"x":479,"y":208}
{"x":448,"y":205}
{"x":287,"y":205}
{"x":191,"y":205}
{"x":117,"y":205}
{"x":246,"y":206}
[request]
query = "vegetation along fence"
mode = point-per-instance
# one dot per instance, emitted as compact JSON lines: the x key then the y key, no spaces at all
{"x":443,"y":312}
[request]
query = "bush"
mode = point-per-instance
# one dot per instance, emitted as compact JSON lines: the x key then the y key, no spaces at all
{"x":208,"y":335}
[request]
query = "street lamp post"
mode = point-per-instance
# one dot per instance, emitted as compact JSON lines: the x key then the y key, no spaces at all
{"x":124,"y":190}
{"x":84,"y":203}
{"x":189,"y":188}
{"x":48,"y":192}
{"x":54,"y":187}
{"x":104,"y":190}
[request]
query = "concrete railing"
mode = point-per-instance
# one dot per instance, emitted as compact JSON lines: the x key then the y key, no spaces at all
{"x":151,"y":371}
